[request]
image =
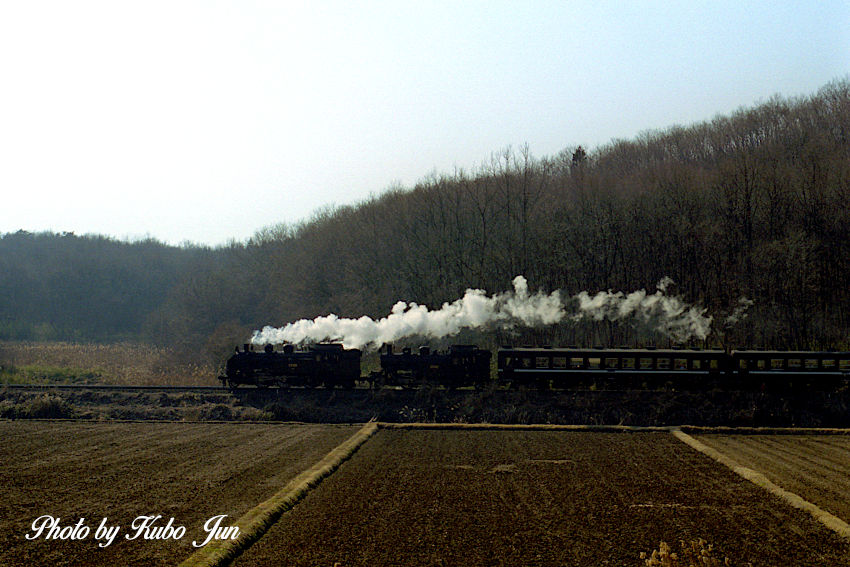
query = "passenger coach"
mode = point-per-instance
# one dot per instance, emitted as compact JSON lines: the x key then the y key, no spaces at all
{"x":778,"y":369}
{"x":574,"y":368}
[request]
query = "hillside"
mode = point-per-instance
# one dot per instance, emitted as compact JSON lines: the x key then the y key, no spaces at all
{"x":753,"y":205}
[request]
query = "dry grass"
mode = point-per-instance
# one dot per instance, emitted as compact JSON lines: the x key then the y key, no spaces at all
{"x":696,"y":553}
{"x":120,"y":364}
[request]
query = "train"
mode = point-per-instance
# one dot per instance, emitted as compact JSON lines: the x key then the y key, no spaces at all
{"x":330,"y":365}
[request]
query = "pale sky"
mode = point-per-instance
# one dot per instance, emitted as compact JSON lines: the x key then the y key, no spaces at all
{"x":205,"y":121}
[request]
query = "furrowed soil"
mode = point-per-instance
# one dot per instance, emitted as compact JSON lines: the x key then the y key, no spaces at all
{"x":119,"y":471}
{"x":815,"y":467}
{"x":471,"y":497}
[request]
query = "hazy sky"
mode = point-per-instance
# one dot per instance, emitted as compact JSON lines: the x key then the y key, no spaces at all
{"x":207,"y":120}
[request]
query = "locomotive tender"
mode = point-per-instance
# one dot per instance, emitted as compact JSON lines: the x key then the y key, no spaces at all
{"x":330,"y":365}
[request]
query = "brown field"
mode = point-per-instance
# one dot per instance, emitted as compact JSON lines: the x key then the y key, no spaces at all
{"x":815,"y":467}
{"x":120,"y":364}
{"x":123,"y":470}
{"x":425,"y":497}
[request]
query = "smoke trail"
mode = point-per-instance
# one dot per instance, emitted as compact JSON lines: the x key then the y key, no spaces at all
{"x":666,"y":314}
{"x":478,"y":310}
{"x":739,"y":313}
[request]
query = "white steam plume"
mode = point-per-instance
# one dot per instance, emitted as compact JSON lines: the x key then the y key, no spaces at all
{"x":477,"y":310}
{"x":739,"y":313}
{"x":662,"y":313}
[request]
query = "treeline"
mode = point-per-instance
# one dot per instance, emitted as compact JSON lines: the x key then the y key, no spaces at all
{"x":753,"y":205}
{"x":87,"y":288}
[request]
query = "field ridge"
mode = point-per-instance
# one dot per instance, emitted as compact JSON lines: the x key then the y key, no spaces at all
{"x":257,"y":521}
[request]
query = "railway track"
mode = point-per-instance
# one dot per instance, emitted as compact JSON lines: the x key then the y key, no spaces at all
{"x":294,"y":390}
{"x":116,"y":388}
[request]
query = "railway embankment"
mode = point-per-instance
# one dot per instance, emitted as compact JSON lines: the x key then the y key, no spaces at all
{"x":435,"y":405}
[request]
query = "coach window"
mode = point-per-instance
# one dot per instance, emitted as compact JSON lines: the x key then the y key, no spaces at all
{"x":777,"y":363}
{"x":542,"y":362}
{"x":828,"y":363}
{"x":594,"y":363}
{"x":645,"y":363}
{"x":628,"y":364}
{"x":526,"y":362}
{"x":696,"y":364}
{"x":714,"y":364}
{"x":742,"y":363}
{"x":794,"y":363}
{"x":559,"y":362}
{"x":761,"y":364}
{"x":576,"y":363}
{"x":680,"y":364}
{"x":611,"y":363}
{"x":811,"y":364}
{"x":844,"y":365}
{"x":663,"y":364}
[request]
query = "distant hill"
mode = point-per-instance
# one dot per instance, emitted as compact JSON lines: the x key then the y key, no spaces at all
{"x":752,"y":205}
{"x":69,"y":287}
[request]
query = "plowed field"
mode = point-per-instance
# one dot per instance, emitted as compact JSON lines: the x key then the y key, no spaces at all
{"x":815,"y":467}
{"x":123,"y":470}
{"x":424,"y":497}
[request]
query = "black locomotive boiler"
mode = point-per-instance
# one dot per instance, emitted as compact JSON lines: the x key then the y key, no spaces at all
{"x":324,"y":364}
{"x":458,"y":367}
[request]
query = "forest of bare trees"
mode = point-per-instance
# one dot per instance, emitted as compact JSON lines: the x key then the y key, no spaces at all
{"x":753,"y":205}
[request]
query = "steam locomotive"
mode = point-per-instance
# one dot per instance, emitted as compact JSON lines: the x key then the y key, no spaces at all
{"x":331,"y":366}
{"x":324,"y":364}
{"x":460,"y":366}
